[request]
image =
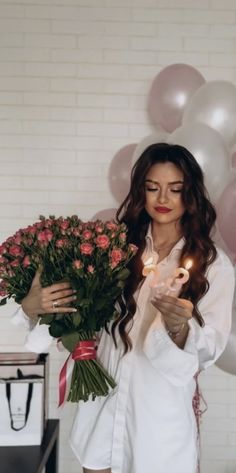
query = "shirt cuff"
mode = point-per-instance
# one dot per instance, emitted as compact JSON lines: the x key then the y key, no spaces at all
{"x":38,"y":339}
{"x":177,"y":365}
{"x":20,"y":318}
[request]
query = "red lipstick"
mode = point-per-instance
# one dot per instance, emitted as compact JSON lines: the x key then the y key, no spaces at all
{"x":163,"y":210}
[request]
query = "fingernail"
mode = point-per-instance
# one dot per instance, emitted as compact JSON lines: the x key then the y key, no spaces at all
{"x":74,"y":310}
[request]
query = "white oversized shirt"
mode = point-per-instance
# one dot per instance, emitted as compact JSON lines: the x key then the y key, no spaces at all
{"x":147,"y":423}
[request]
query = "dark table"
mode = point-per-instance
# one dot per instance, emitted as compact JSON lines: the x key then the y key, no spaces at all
{"x":33,"y":459}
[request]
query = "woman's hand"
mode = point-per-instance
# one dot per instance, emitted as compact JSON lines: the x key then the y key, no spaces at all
{"x":175,"y":313}
{"x":48,"y":300}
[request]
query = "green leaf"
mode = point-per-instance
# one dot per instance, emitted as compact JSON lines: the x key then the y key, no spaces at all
{"x":70,"y":341}
{"x":100,"y":303}
{"x":3,"y":301}
{"x":46,"y":319}
{"x":76,"y":319}
{"x":56,"y":329}
{"x":84,"y":303}
{"x":121,"y":284}
{"x":123,"y":274}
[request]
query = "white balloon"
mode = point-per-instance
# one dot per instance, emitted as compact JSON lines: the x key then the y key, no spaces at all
{"x":214,"y":104}
{"x":160,"y":136}
{"x":170,"y":92}
{"x":210,"y":151}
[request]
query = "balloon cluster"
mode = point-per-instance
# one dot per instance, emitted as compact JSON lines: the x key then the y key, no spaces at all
{"x":201,"y":116}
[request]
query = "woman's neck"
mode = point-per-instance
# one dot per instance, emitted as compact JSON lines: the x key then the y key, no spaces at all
{"x":165,"y":236}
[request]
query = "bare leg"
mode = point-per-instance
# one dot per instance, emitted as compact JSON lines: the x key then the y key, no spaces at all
{"x":86,"y":470}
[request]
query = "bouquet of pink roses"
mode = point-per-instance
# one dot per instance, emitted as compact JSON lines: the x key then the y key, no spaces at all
{"x":93,"y":257}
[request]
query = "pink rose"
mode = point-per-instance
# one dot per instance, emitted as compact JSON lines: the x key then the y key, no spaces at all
{"x":76,"y":232}
{"x":32,"y":229}
{"x":90,"y":268}
{"x":15,"y":263}
{"x":86,"y":248}
{"x":48,"y":223}
{"x":116,"y":256}
{"x":3,"y":289}
{"x":77,"y":264}
{"x":18,"y":239}
{"x":15,"y":251}
{"x":102,"y":241}
{"x":64,"y":224}
{"x":26,"y":261}
{"x":45,"y":236}
{"x":87,"y":234}
{"x":99,"y":228}
{"x":3,"y":249}
{"x":122,"y":236}
{"x":61,"y":243}
{"x":111,"y":226}
{"x":133,"y":248}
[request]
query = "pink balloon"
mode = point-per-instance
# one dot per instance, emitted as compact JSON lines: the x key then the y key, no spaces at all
{"x":226,"y":215}
{"x":105,"y":214}
{"x":233,"y":160}
{"x":227,"y":360}
{"x":160,"y":136}
{"x":218,"y":240}
{"x":170,"y":92}
{"x":119,"y":172}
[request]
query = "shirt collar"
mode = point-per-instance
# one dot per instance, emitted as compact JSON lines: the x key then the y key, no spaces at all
{"x":150,"y":247}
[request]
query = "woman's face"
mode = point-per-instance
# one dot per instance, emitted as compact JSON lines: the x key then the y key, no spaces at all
{"x":163,"y":190}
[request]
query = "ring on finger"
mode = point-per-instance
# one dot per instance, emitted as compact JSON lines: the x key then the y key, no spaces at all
{"x":55,"y":304}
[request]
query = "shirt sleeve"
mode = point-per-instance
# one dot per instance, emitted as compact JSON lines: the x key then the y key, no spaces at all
{"x":205,"y":344}
{"x":38,"y":339}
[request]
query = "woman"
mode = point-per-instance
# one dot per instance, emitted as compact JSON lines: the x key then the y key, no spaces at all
{"x":160,"y":342}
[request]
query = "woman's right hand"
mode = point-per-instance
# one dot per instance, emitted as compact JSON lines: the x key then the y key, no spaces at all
{"x":48,"y":300}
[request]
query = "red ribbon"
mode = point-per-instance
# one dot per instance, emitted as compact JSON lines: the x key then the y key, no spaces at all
{"x":85,"y":350}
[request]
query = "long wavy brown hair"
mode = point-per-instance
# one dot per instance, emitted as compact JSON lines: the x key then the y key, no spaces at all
{"x":197,"y":223}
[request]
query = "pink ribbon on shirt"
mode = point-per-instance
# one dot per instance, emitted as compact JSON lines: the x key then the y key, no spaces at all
{"x":85,"y":350}
{"x":198,"y":411}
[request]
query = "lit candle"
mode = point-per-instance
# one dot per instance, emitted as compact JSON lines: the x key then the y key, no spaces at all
{"x":181,"y":276}
{"x":148,"y":266}
{"x":151,"y":267}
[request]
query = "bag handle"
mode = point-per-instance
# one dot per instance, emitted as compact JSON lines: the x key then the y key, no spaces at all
{"x":27,"y":407}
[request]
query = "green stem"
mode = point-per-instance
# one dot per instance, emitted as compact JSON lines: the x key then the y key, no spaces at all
{"x":89,"y":377}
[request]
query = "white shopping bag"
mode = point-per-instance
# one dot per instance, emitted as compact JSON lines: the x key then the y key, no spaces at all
{"x":21,"y":410}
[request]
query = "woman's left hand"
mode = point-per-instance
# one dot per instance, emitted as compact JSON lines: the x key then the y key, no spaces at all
{"x":176,"y":312}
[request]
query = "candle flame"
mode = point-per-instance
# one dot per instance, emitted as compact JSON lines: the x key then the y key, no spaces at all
{"x":188,"y":264}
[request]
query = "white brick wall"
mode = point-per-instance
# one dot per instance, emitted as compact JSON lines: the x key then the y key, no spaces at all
{"x":74,"y":79}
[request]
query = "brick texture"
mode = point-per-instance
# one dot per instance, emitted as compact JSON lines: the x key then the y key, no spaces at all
{"x":74,"y":81}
